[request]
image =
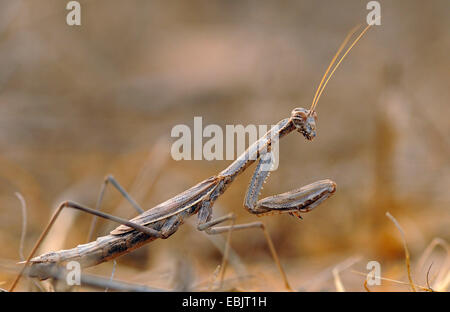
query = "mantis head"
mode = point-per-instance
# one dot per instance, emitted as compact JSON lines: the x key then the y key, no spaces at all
{"x":305,"y":122}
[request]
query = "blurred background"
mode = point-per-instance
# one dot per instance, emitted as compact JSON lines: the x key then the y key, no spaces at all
{"x":78,"y":103}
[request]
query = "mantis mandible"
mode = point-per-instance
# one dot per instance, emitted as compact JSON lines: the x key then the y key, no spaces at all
{"x":164,"y":220}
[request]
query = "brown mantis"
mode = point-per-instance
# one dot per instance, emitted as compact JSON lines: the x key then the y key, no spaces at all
{"x":164,"y":220}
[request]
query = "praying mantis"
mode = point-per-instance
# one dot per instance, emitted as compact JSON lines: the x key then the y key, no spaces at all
{"x":164,"y":220}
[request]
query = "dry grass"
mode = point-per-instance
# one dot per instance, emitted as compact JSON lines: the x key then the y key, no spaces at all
{"x":76,"y":105}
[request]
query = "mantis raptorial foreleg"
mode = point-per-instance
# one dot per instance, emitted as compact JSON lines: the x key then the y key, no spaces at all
{"x":299,"y":200}
{"x":302,"y":199}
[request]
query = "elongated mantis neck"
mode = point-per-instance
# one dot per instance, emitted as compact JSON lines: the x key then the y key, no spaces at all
{"x":261,"y":146}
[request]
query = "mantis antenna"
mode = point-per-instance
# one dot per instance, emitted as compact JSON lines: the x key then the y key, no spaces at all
{"x":343,"y":44}
{"x":323,"y":84}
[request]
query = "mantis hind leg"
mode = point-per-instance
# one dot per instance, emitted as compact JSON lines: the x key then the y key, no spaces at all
{"x":109,"y":179}
{"x":70,"y":204}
